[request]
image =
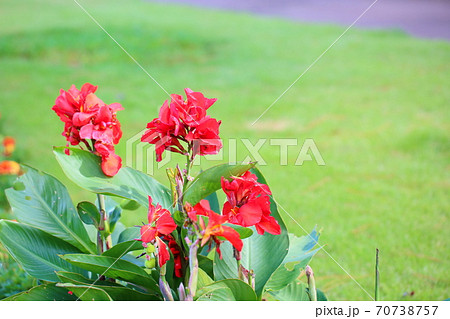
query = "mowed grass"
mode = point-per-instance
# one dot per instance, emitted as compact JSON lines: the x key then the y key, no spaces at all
{"x":376,"y":105}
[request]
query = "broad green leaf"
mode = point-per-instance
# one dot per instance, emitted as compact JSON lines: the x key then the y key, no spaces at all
{"x":36,"y":251}
{"x":298,"y":257}
{"x":88,"y":213}
{"x":116,"y":291}
{"x":206,"y":265}
{"x":43,"y":202}
{"x":83,"y":168}
{"x":113,"y":268}
{"x":218,"y":290}
{"x":208,"y":181}
{"x":121,"y":249}
{"x":87,"y":292}
{"x":203,"y":279}
{"x":128,"y":234}
{"x":47,"y":292}
{"x":261,"y":253}
{"x":219,"y":293}
{"x":129,"y":204}
{"x":295,"y":291}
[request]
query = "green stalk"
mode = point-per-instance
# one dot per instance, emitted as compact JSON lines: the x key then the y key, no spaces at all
{"x":377,"y":277}
{"x":101,"y":225}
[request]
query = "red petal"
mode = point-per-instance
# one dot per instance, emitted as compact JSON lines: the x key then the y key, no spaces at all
{"x":232,"y":236}
{"x":148,"y":233}
{"x":111,"y":164}
{"x":86,"y":131}
{"x":163,"y":252}
{"x":249,"y":214}
{"x":165,"y":224}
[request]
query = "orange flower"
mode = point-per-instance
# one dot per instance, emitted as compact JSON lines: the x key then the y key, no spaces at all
{"x":9,"y":168}
{"x":9,"y":145}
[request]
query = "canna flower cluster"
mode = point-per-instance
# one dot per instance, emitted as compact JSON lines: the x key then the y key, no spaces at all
{"x":89,"y":120}
{"x":184,"y":122}
{"x":184,"y":127}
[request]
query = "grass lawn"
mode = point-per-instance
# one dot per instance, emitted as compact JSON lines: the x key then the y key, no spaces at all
{"x":376,"y":105}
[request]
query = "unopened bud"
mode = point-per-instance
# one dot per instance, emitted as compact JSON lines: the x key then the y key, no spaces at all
{"x":309,"y":272}
{"x":150,"y":249}
{"x":150,"y":263}
{"x":311,"y":283}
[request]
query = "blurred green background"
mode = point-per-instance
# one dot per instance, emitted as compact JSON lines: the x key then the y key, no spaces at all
{"x":376,"y":105}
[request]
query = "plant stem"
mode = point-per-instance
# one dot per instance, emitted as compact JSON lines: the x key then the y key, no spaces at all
{"x":101,"y":226}
{"x":193,"y":268}
{"x":377,"y":276}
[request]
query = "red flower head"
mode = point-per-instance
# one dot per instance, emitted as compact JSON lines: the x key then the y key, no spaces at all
{"x":87,"y":118}
{"x":248,"y":204}
{"x":160,"y":223}
{"x":184,"y":121}
{"x":215,"y":228}
{"x":9,"y":144}
{"x":9,"y":168}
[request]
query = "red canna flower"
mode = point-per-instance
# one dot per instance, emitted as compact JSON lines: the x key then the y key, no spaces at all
{"x":9,"y":168}
{"x":215,"y":228}
{"x":184,"y":121}
{"x":88,"y":119}
{"x":9,"y":144}
{"x":160,"y":223}
{"x":248,"y":204}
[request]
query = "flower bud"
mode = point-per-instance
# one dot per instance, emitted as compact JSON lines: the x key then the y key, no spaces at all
{"x":150,"y":263}
{"x":150,"y":249}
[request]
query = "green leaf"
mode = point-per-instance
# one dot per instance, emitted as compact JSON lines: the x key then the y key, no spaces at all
{"x":298,"y":257}
{"x":83,"y":168}
{"x":44,"y":203}
{"x":121,"y":249}
{"x":244,"y":232}
{"x":47,"y":292}
{"x":36,"y":251}
{"x":129,"y":204}
{"x":129,"y":234}
{"x":206,"y":265}
{"x":228,"y":289}
{"x":116,"y":291}
{"x":87,"y":292}
{"x":261,"y":253}
{"x":208,"y":181}
{"x":321,"y":296}
{"x":89,"y":213}
{"x":203,"y":279}
{"x":113,"y":268}
{"x":295,"y":291}
{"x":214,"y":202}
